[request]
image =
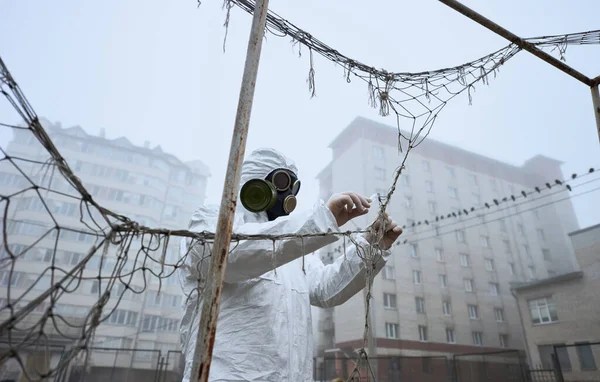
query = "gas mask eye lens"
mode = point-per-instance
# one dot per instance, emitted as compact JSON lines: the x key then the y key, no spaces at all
{"x":296,"y":187}
{"x":289,"y":204}
{"x":258,"y":195}
{"x":281,"y":180}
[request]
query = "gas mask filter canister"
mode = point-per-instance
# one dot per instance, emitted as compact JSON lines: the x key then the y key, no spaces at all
{"x":276,"y":194}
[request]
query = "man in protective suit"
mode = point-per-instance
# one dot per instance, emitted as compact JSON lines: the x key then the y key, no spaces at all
{"x":264,"y":330}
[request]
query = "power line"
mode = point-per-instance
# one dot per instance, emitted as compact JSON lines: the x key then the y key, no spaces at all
{"x":508,"y":199}
{"x":408,"y":240}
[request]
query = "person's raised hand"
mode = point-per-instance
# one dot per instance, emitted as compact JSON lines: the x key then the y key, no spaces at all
{"x":392,"y":232}
{"x":346,"y":206}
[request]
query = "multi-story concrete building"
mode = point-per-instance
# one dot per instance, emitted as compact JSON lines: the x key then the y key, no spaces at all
{"x":564,"y":311}
{"x":446,"y":290}
{"x":149,"y":186}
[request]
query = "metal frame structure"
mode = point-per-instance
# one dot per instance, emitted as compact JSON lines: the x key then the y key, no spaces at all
{"x":210,"y":307}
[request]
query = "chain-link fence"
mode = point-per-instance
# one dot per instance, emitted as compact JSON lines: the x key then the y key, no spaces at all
{"x":97,"y":364}
{"x":498,"y":366}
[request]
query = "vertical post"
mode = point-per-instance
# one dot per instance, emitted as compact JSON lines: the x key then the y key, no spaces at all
{"x":596,"y":103}
{"x":210,"y":307}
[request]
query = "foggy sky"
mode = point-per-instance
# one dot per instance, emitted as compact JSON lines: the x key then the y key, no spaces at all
{"x":156,"y":71}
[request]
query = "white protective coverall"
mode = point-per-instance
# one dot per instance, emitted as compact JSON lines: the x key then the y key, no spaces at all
{"x":264,"y":329}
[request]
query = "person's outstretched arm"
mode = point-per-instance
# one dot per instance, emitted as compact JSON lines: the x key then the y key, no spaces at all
{"x":248,"y":259}
{"x":334,"y":284}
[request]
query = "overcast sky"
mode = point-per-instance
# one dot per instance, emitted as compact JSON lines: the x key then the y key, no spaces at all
{"x":155,"y":70}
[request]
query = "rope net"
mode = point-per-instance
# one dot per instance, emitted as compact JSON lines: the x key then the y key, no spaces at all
{"x":82,"y":248}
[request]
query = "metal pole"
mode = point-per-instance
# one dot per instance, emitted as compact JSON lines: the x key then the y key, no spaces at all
{"x":210,"y":307}
{"x":596,"y":103}
{"x":468,"y":12}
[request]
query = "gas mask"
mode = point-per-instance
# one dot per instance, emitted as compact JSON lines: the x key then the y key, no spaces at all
{"x":276,"y":194}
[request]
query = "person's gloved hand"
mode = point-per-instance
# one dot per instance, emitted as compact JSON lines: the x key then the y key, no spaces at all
{"x":392,"y":232}
{"x":346,"y":206}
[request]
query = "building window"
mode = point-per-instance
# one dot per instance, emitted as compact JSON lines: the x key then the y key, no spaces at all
{"x":446,"y":308}
{"x":468,"y":285}
{"x":484,"y":241}
{"x":546,"y":254}
{"x":521,"y":229}
{"x":464,"y":260}
{"x":507,"y":246}
{"x":450,"y":171}
{"x":377,"y":152}
{"x":494,"y":289}
{"x":428,"y":186}
{"x":422,"y":333}
{"x":460,"y":236}
{"x":453,"y":192}
{"x":417,"y":277}
{"x":389,"y":300}
{"x":405,"y":179}
{"x":432,"y":207}
{"x":437,"y":230}
{"x":420,"y":303}
{"x":543,"y":311}
{"x":391,"y":330}
{"x":388,"y":272}
{"x":503,"y":340}
{"x":494,"y":184}
{"x":526,"y":250}
{"x":443,"y":281}
{"x":408,"y":202}
{"x":476,"y":199}
{"x":489,"y":265}
{"x":502,"y":224}
{"x":412,"y":249}
{"x":586,"y":356}
{"x":477,"y":338}
{"x":511,"y":268}
{"x":546,"y":352}
{"x":426,"y":166}
{"x":439,"y":254}
{"x":379,"y":173}
{"x":536,"y":213}
{"x":531,"y":271}
{"x":541,"y":234}
{"x":499,"y":313}
{"x":473,"y":179}
{"x":123,"y":317}
{"x":450,"y":336}
{"x":473,"y":311}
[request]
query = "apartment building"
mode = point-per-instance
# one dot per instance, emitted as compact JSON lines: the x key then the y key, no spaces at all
{"x":146,"y":184}
{"x":560,"y":314}
{"x":446,"y":290}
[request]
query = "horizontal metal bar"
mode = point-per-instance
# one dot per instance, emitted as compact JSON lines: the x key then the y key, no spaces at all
{"x":468,"y":12}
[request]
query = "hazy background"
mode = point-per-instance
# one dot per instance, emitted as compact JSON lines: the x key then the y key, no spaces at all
{"x":155,"y":70}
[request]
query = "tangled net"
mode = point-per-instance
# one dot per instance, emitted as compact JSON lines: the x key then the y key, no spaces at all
{"x":83,"y":248}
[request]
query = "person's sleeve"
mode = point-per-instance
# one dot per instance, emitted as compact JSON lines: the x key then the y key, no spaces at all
{"x":248,"y":259}
{"x":333,"y":284}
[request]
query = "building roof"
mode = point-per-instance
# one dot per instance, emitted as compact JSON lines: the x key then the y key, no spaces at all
{"x":384,"y":134}
{"x":590,"y":228}
{"x":548,"y":281}
{"x":125,"y":144}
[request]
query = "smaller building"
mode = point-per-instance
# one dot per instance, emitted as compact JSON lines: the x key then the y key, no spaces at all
{"x":561,"y":315}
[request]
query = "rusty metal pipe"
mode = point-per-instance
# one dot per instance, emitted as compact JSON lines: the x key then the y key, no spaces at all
{"x":596,"y":104}
{"x":212,"y":293}
{"x":489,"y":24}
